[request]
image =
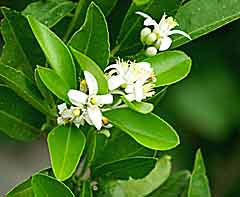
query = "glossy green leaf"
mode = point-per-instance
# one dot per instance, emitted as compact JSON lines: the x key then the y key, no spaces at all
{"x":135,"y":167}
{"x":18,"y":119}
{"x":158,"y":96}
{"x":92,"y":38}
{"x":174,"y":186}
{"x":197,"y":17}
{"x":22,"y":190}
{"x":147,"y":129}
{"x":170,"y":67}
{"x":139,"y":187}
{"x":54,"y":83}
{"x":56,"y":52}
{"x":24,"y":87}
{"x":141,"y":107}
{"x":119,"y":146}
{"x":106,"y":5}
{"x":86,"y":190}
{"x":66,"y":144}
{"x":49,"y":12}
{"x":89,"y":65}
{"x":129,"y":36}
{"x":198,"y":185}
{"x":21,"y":49}
{"x":44,"y":185}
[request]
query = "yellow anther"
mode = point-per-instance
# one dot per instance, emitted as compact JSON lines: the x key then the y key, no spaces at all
{"x":105,"y":120}
{"x":93,"y":100}
{"x":171,"y":22}
{"x":124,"y":85}
{"x":83,"y":86}
{"x":77,"y":112}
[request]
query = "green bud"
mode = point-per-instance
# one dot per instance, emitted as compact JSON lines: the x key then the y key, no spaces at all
{"x":151,"y":51}
{"x":144,"y":33}
{"x":156,"y":31}
{"x":158,"y":43}
{"x":151,"y":38}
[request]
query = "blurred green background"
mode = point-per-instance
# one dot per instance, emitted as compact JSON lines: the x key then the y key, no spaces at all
{"x":204,"y":108}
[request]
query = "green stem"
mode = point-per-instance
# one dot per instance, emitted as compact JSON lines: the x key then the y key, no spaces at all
{"x":80,"y":6}
{"x":114,"y":51}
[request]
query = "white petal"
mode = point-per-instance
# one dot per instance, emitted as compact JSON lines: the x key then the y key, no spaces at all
{"x":91,"y":83}
{"x":95,"y":116}
{"x":129,"y":89}
{"x":78,"y":121}
{"x":145,"y":65}
{"x":62,"y":107}
{"x":112,"y":66}
{"x":77,"y":97}
{"x":139,"y":93}
{"x":115,"y":82}
{"x":87,"y":118}
{"x":130,"y":97}
{"x":166,"y":43}
{"x":60,"y":121}
{"x":143,"y":14}
{"x":104,"y":99}
{"x":180,"y":32}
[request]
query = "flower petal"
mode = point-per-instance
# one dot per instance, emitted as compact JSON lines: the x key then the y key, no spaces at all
{"x":95,"y":116}
{"x":166,"y":43}
{"x":91,"y":83}
{"x":115,"y":82}
{"x":139,"y":93}
{"x":77,"y":97}
{"x":62,"y":107}
{"x":130,"y":97}
{"x":112,"y":66}
{"x":180,"y":32}
{"x":104,"y":99}
{"x":143,"y":14}
{"x":129,"y":89}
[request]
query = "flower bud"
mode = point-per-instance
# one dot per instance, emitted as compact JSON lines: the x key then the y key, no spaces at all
{"x":151,"y":51}
{"x":158,"y":43}
{"x":105,"y":120}
{"x":144,"y":33}
{"x":156,"y":31}
{"x":151,"y":38}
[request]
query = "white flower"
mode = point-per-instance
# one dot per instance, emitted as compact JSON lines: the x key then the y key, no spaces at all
{"x":132,"y":77}
{"x":163,"y":30}
{"x":91,"y":103}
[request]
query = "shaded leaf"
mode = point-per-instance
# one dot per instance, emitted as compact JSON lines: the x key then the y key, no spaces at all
{"x":44,"y":185}
{"x":87,"y":64}
{"x":56,"y":52}
{"x":198,"y":185}
{"x":197,"y":17}
{"x":66,"y":144}
{"x":18,"y":119}
{"x":24,"y":189}
{"x":49,"y":12}
{"x":92,"y":39}
{"x":170,"y":67}
{"x":24,"y":87}
{"x":21,"y":49}
{"x":106,"y":5}
{"x":54,"y":83}
{"x":174,"y":186}
{"x":86,"y":190}
{"x":147,"y":129}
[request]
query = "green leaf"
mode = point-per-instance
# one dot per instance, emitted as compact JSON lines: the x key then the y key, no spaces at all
{"x":49,"y":12}
{"x":119,"y":146}
{"x":129,"y":36}
{"x":56,"y":52}
{"x":24,"y":87}
{"x":86,"y":190}
{"x":44,"y":185}
{"x":66,"y":144}
{"x":147,"y":129}
{"x":21,"y":49}
{"x":106,"y":5}
{"x":158,"y":96}
{"x":198,"y":185}
{"x":141,"y":107}
{"x":18,"y":119}
{"x":135,"y":167}
{"x":140,"y":187}
{"x":89,"y":65}
{"x":174,"y":186}
{"x":197,"y":17}
{"x":170,"y":67}
{"x":22,"y":190}
{"x":54,"y":83}
{"x":92,"y":39}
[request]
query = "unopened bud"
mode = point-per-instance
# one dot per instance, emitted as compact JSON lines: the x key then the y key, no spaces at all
{"x":144,"y":33}
{"x":151,"y":38}
{"x":156,"y":31}
{"x":151,"y":51}
{"x":158,"y":43}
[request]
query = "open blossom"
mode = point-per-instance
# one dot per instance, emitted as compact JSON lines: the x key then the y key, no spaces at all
{"x":159,"y":37}
{"x":134,"y":78}
{"x":90,"y":103}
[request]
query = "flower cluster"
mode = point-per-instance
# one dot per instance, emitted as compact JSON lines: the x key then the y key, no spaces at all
{"x":158,"y":38}
{"x":133,"y":80}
